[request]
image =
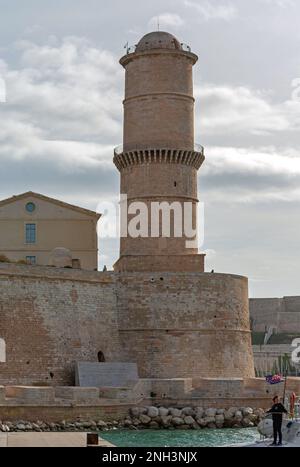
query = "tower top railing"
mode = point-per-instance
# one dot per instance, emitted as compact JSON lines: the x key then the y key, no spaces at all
{"x":150,"y":146}
{"x":131,"y":49}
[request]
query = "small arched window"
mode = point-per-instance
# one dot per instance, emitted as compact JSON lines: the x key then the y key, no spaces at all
{"x":101,"y":358}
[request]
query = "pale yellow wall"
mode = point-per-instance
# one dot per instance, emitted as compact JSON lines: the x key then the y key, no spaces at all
{"x":56,"y":226}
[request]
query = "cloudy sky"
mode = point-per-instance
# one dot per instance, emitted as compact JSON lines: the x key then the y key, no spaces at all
{"x":63,"y":116}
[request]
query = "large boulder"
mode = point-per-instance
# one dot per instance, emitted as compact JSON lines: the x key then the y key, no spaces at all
{"x":199,"y":412}
{"x":238,"y":416}
{"x":175,"y":412}
{"x":189,"y":420}
{"x":210,"y":420}
{"x":135,"y":411}
{"x":188,"y":411}
{"x":247,"y":411}
{"x":253,"y":418}
{"x":153,"y":412}
{"x":136,"y":422}
{"x":145,"y":420}
{"x":220,"y":418}
{"x":259,"y":413}
{"x":228,"y":415}
{"x":220,"y":421}
{"x":247,"y":423}
{"x":166,"y":421}
{"x":212,"y":426}
{"x":201,"y":422}
{"x":163,"y":412}
{"x":210,"y":412}
{"x":177,"y":421}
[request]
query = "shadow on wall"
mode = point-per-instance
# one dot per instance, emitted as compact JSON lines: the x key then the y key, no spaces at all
{"x":2,"y":351}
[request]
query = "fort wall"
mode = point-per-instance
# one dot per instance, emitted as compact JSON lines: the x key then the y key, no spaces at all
{"x":50,"y":318}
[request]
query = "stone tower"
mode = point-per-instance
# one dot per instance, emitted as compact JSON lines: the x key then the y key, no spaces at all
{"x":159,"y":161}
{"x":174,"y":320}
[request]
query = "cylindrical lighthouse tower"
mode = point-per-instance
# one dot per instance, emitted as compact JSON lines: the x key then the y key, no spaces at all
{"x":174,"y":320}
{"x":159,"y":161}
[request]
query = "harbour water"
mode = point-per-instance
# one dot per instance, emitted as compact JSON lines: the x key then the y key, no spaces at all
{"x":180,"y":438}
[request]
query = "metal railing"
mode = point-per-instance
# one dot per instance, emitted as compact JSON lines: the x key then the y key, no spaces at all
{"x":131,"y":49}
{"x":185,"y":47}
{"x":151,"y":146}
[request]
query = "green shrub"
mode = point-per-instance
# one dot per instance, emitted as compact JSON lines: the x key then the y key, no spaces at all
{"x":4,"y":259}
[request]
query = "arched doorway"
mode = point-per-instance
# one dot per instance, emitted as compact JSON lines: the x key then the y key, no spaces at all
{"x":101,"y":358}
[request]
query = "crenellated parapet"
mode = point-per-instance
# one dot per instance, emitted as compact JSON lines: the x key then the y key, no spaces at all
{"x":191,"y":158}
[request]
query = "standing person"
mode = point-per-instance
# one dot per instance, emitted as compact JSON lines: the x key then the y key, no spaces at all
{"x":277,"y":412}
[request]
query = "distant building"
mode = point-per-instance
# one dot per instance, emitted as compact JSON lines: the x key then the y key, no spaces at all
{"x":275,"y":326}
{"x":33,"y":225}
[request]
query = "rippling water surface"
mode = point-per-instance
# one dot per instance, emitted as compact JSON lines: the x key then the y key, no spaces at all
{"x":180,"y":438}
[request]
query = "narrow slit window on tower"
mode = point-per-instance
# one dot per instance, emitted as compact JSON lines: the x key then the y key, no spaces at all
{"x":175,"y":184}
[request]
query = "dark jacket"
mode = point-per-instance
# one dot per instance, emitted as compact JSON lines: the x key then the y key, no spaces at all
{"x":277,"y":411}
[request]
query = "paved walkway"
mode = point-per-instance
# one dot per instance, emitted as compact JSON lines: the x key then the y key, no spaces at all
{"x":47,"y":440}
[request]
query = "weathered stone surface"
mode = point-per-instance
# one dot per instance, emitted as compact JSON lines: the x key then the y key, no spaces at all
{"x":135,"y":411}
{"x":46,"y":298}
{"x":184,"y":427}
{"x":210,"y":420}
{"x":101,"y":424}
{"x":128,"y":422}
{"x":247,"y":411}
{"x":201,"y":422}
{"x":188,"y":411}
{"x":246,"y":422}
{"x":220,"y":418}
{"x":199,"y":412}
{"x":177,"y":421}
{"x":211,"y":426}
{"x":163,"y":412}
{"x":20,"y":427}
{"x":112,"y":374}
{"x":145,"y":420}
{"x":154,"y":425}
{"x":238,"y":416}
{"x":136,"y":421}
{"x":253,"y":418}
{"x":153,"y":412}
{"x":210,"y":412}
{"x":166,"y":420}
{"x":189,"y":420}
{"x":175,"y":412}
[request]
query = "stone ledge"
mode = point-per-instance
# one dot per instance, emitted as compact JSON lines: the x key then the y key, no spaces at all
{"x":30,"y":393}
{"x":77,"y":393}
{"x":52,"y":273}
